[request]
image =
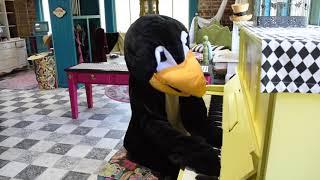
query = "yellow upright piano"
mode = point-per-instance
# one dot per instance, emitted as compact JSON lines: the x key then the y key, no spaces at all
{"x":271,"y":107}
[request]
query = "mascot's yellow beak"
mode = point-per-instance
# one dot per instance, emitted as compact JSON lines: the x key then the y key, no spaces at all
{"x":184,"y":79}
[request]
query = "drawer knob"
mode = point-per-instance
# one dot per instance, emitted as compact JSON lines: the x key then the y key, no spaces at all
{"x":93,"y":77}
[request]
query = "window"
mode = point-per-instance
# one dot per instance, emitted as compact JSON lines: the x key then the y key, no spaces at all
{"x":102,"y":14}
{"x":128,"y":11}
{"x":178,"y":10}
{"x":46,"y":13}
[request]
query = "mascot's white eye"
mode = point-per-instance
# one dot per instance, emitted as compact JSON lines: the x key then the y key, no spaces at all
{"x":164,"y":58}
{"x":184,"y":41}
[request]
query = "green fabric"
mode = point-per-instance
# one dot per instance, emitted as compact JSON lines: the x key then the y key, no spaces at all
{"x":218,"y":35}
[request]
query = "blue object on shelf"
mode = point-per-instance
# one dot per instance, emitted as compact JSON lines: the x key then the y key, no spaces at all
{"x":267,"y":6}
{"x":41,"y":28}
{"x":282,"y":8}
{"x":281,"y":21}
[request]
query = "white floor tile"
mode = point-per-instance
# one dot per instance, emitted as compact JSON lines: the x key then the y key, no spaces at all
{"x":10,"y":131}
{"x":42,"y":146}
{"x":34,"y":117}
{"x":71,"y":139}
{"x":47,"y":159}
{"x":12,"y":154}
{"x":12,"y":169}
{"x":11,"y":141}
{"x":90,"y":166}
{"x":91,"y":123}
{"x":31,"y":111}
{"x":39,"y":135}
{"x":49,"y":101}
{"x":10,"y":115}
{"x":36,"y":125}
{"x":8,"y":103}
{"x":28,"y":99}
{"x":66,"y":128}
{"x":9,"y":108}
{"x":10,"y":122}
{"x":79,"y":151}
{"x":107,"y":143}
{"x":52,"y":174}
{"x":29,"y":105}
{"x":98,"y":132}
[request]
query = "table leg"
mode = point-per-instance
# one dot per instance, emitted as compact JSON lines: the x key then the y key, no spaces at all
{"x":208,"y":79}
{"x":89,"y":95}
{"x":73,"y":95}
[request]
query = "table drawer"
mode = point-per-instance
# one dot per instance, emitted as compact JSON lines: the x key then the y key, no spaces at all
{"x":119,"y":79}
{"x":100,"y":78}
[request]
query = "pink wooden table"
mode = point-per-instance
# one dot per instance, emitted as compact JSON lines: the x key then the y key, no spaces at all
{"x":99,"y":73}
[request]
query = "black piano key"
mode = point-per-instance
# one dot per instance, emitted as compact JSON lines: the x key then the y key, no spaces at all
{"x":215,"y":116}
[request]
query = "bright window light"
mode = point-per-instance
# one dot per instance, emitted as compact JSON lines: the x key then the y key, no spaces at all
{"x":102,"y":14}
{"x":46,"y":13}
{"x":127,"y":11}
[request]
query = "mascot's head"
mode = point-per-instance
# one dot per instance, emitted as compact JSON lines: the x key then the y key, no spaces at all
{"x":157,"y":52}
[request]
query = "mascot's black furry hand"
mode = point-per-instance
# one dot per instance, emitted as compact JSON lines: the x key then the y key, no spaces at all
{"x":169,"y":128}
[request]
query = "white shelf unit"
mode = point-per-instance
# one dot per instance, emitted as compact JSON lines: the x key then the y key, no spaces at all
{"x":4,"y":22}
{"x":12,"y":49}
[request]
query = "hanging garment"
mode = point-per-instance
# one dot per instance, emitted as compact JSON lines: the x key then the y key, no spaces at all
{"x":76,"y":7}
{"x":84,"y":43}
{"x":100,"y":46}
{"x":79,"y":49}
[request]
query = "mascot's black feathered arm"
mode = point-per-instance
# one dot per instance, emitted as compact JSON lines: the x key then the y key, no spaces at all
{"x":150,"y":138}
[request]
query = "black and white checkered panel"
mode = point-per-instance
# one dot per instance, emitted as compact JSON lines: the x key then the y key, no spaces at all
{"x":290,"y":58}
{"x":290,"y":66}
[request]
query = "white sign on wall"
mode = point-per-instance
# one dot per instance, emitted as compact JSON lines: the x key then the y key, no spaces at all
{"x":59,"y":12}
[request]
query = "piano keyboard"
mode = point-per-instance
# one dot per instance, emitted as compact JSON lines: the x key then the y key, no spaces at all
{"x":215,"y":116}
{"x":215,"y":110}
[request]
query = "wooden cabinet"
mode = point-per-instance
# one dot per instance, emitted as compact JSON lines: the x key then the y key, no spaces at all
{"x":13,"y":54}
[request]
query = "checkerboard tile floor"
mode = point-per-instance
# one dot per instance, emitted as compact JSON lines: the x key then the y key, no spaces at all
{"x":39,"y":140}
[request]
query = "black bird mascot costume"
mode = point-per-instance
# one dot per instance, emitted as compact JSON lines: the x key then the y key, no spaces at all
{"x":169,"y":128}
